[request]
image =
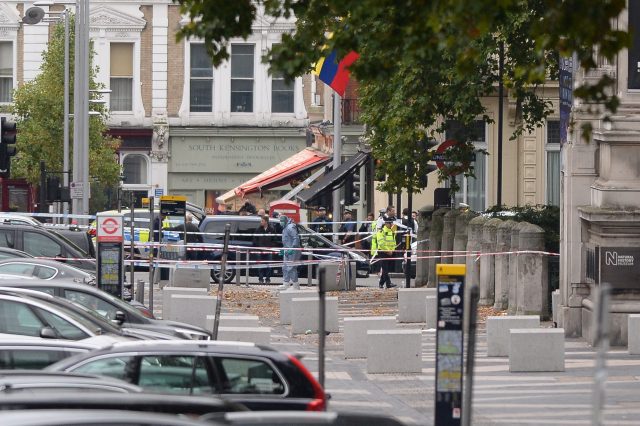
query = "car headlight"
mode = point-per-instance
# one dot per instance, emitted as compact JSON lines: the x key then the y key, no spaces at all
{"x":193,"y":334}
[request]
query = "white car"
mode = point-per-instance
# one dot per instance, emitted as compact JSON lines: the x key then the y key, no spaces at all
{"x":18,"y":219}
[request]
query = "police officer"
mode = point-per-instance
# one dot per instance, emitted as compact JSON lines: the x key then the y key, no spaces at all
{"x":321,"y":224}
{"x":382,"y":247}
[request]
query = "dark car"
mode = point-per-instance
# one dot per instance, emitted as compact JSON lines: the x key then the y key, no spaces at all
{"x":111,"y":308}
{"x":242,"y":228}
{"x":78,"y":236}
{"x":21,"y":381}
{"x":192,"y":406}
{"x":86,"y":417}
{"x":38,"y":241}
{"x":258,"y":377}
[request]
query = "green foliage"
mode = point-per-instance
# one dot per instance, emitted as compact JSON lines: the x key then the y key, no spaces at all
{"x":39,"y":111}
{"x":424,"y":61}
{"x":545,"y":216}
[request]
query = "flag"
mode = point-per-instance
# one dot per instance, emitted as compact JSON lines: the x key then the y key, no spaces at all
{"x":336,"y":73}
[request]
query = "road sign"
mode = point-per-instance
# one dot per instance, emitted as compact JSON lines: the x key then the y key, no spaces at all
{"x":449,"y":344}
{"x":173,"y":205}
{"x":76,"y":190}
{"x":158,"y":192}
{"x":441,"y":157}
{"x":109,"y":229}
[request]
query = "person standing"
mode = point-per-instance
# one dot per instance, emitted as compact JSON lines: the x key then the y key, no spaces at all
{"x":261,"y":241}
{"x":383,"y":247}
{"x":347,"y":230}
{"x":321,"y":224}
{"x":365,"y":233}
{"x":290,"y":253}
{"x":193,"y":236}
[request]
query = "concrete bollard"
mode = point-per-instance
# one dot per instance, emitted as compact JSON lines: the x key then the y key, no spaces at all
{"x":284,"y":297}
{"x":422,"y":265}
{"x":432,"y":312}
{"x":503,"y":244}
{"x":394,"y":351}
{"x":448,"y":235}
{"x":474,"y":246}
{"x":355,"y":333}
{"x":167,"y":292}
{"x":435,"y":239}
{"x":257,"y":335}
{"x":227,"y":320}
{"x":192,"y":309}
{"x":412,"y":304}
{"x":462,"y":235}
{"x":533,"y":277}
{"x":487,"y":263}
{"x":536,"y":350}
{"x":498,"y":328}
{"x":192,"y":277}
{"x":305,"y":314}
{"x":555,"y":306}
{"x":633,"y":330}
{"x":513,"y":268}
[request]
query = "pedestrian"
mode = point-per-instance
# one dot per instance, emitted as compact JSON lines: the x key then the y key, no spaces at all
{"x":321,"y":223}
{"x":277,"y":227}
{"x":262,"y":212}
{"x":261,"y":241}
{"x":365,"y":233}
{"x":291,"y":253}
{"x":383,"y":247}
{"x":414,"y":215}
{"x":347,"y":230}
{"x":193,"y":236}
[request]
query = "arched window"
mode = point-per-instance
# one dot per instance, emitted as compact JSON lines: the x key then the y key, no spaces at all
{"x":135,"y":169}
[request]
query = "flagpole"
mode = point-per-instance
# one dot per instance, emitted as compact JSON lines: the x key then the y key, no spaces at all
{"x":337,"y":156}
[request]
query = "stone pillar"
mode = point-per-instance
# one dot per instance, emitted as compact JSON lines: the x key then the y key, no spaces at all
{"x":422,"y":263}
{"x":435,"y":238}
{"x":533,"y":274}
{"x":513,"y":268}
{"x":448,"y":234}
{"x":474,"y":247}
{"x":487,"y":263}
{"x":503,"y":244}
{"x":462,"y":234}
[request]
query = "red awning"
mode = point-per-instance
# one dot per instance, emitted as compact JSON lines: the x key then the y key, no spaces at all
{"x":280,"y":174}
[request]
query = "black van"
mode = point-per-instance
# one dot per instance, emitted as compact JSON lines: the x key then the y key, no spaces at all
{"x":213,"y":229}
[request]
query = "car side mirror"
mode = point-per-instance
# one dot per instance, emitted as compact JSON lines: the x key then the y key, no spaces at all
{"x":48,"y":333}
{"x":119,"y":318}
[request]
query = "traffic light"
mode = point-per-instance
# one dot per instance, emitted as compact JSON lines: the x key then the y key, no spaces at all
{"x":7,"y":146}
{"x":352,"y":188}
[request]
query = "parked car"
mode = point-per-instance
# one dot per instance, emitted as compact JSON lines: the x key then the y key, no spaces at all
{"x":93,"y":417}
{"x":78,"y":236}
{"x":38,"y":241}
{"x":45,"y":269}
{"x":258,"y":377}
{"x":111,"y":308}
{"x":22,"y":381}
{"x":35,"y":353}
{"x":9,"y":253}
{"x":300,"y":418}
{"x":19,"y":219}
{"x":185,"y":405}
{"x":213,"y":228}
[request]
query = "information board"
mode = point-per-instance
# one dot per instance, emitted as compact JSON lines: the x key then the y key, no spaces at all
{"x":173,"y":205}
{"x":110,"y":268}
{"x":449,"y":344}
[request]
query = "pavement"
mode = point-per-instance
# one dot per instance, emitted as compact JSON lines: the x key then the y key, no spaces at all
{"x":499,"y":396}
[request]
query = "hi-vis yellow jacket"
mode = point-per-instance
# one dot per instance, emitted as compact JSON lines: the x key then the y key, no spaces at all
{"x":383,"y":240}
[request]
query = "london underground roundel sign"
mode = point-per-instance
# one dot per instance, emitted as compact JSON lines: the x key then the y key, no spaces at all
{"x":110,"y":229}
{"x":442,"y":161}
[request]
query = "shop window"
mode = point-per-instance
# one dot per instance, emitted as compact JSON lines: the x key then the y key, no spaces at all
{"x":121,"y":77}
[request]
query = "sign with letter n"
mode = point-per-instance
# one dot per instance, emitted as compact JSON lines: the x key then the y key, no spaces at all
{"x":619,"y":266}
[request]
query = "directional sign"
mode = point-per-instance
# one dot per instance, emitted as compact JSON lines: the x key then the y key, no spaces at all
{"x":109,"y":229}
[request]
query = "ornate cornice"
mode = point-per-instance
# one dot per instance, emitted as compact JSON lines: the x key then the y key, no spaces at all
{"x":104,"y":18}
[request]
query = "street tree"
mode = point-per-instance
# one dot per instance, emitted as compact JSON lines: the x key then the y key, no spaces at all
{"x":39,"y":111}
{"x":424,"y":64}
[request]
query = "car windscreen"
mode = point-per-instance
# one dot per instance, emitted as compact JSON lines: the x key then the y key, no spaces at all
{"x":73,"y":246}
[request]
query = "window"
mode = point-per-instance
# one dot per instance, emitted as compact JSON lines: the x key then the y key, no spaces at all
{"x":6,"y":71}
{"x":552,"y":148}
{"x":175,"y":374}
{"x":65,"y":329}
{"x":214,"y":231}
{"x":248,"y":376}
{"x":472,"y":189}
{"x":41,"y":246}
{"x":94,"y":303}
{"x":119,"y":367}
{"x":18,"y":318}
{"x":201,"y":83}
{"x":121,"y":76}
{"x":32,"y":359}
{"x":135,"y":169}
{"x":27,"y":269}
{"x":7,"y":238}
{"x":281,"y":94}
{"x":242,"y":77}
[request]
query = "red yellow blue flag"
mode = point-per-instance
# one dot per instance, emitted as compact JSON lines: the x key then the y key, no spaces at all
{"x":336,"y":73}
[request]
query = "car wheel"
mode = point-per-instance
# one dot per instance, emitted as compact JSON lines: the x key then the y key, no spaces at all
{"x":228,"y":275}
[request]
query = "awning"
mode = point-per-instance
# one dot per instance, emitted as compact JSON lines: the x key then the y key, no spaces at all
{"x":334,"y":179}
{"x":278,"y":175}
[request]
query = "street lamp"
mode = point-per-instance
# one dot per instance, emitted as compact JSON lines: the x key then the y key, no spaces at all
{"x":32,"y":16}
